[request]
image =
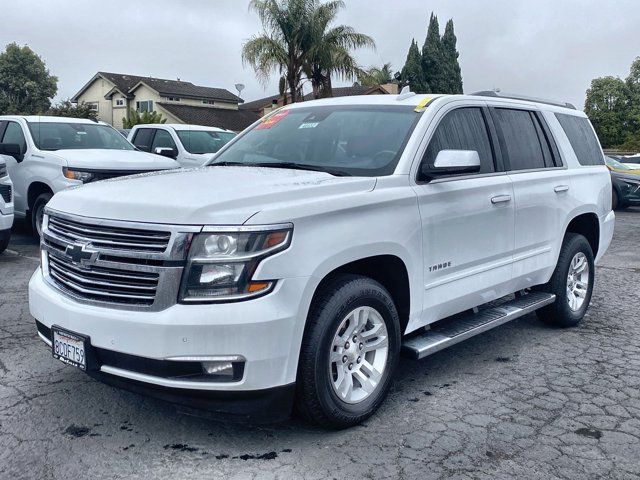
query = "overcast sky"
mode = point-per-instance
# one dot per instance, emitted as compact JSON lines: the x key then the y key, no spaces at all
{"x":546,"y":48}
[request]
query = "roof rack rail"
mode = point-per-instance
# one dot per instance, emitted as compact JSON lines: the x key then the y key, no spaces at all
{"x":492,"y":93}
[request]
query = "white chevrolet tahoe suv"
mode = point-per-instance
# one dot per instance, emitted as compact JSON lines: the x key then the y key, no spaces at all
{"x":45,"y":155}
{"x":189,"y":145}
{"x":6,"y":206}
{"x":319,"y":245}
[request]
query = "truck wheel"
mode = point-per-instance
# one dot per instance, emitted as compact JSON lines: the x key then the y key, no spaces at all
{"x":37,"y":213}
{"x":615,"y":200}
{"x":5,"y":236}
{"x":349,"y":352}
{"x":571,"y":282}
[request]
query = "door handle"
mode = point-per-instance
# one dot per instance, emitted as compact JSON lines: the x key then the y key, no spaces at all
{"x":561,"y":188}
{"x":501,"y":199}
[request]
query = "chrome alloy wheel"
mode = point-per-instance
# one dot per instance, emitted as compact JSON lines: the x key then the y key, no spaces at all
{"x":577,"y":281}
{"x":39,"y":220}
{"x":358,"y":355}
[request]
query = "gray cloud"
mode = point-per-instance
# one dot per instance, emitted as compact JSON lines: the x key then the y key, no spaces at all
{"x":549,"y":48}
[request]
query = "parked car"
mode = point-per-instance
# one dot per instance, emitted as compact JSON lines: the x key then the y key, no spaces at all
{"x":189,"y":145}
{"x":626,"y":184}
{"x":632,"y":161}
{"x":45,"y":155}
{"x":124,"y":132}
{"x":6,"y":206}
{"x":319,"y":244}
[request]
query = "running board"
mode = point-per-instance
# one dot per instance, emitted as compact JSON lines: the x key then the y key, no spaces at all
{"x":440,"y":337}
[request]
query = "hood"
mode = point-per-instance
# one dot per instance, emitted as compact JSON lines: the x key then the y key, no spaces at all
{"x":627,"y":174}
{"x":202,"y":196}
{"x":104,"y":159}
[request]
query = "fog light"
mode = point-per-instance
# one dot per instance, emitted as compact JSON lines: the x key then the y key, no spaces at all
{"x":218,"y":368}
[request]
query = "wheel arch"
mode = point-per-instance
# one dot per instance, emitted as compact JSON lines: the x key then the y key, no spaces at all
{"x":36,"y":189}
{"x":588,"y":225}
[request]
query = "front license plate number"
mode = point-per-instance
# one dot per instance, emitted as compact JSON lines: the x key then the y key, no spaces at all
{"x":69,"y":348}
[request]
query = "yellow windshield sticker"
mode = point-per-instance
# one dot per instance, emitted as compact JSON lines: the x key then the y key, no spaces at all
{"x":423,"y":104}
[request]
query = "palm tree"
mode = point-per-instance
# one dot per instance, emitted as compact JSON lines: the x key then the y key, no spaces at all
{"x":328,"y":51}
{"x":374,"y":76}
{"x":298,"y":40}
{"x":280,"y":46}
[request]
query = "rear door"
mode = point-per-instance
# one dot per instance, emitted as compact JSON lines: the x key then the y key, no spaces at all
{"x":467,"y":220}
{"x":542,"y":188}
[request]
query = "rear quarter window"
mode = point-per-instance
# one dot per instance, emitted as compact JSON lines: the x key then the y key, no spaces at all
{"x":582,"y":138}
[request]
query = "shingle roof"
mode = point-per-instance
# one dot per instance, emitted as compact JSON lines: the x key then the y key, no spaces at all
{"x":260,"y":103}
{"x":236,"y":120}
{"x":168,"y":88}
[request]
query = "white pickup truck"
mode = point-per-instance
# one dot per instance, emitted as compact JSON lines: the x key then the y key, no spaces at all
{"x":321,"y":243}
{"x":45,"y":155}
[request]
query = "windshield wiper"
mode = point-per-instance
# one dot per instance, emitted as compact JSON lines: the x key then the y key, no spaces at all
{"x":291,"y":165}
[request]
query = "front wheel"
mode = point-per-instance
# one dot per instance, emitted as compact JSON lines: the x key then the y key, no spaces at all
{"x":349,"y":353}
{"x":37,"y":213}
{"x":571,"y":282}
{"x":5,"y":236}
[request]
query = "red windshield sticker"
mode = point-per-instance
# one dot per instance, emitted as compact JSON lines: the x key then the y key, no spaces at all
{"x":272,"y":120}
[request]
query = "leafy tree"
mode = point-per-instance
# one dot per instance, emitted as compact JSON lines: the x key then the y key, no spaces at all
{"x":433,"y":61}
{"x":137,"y":118}
{"x":607,"y":105}
{"x":452,"y":78}
{"x":66,"y":108}
{"x":280,"y":47}
{"x":374,"y":76}
{"x":327,"y":49}
{"x":412,"y":73}
{"x":26,"y":86}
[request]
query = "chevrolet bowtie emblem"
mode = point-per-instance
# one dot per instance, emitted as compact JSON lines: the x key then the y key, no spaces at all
{"x":81,"y":254}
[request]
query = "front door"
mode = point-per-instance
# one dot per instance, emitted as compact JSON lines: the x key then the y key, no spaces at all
{"x":467,"y":220}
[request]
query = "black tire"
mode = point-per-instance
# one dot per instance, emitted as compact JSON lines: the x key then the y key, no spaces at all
{"x":559,"y":313}
{"x":316,"y":399}
{"x":38,"y":206}
{"x":5,"y":236}
{"x":615,"y":200}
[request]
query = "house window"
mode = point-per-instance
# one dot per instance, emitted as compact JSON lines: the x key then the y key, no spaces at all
{"x":208,"y":102}
{"x":93,"y":106}
{"x":119,"y":102}
{"x":144,"y":106}
{"x":173,"y":99}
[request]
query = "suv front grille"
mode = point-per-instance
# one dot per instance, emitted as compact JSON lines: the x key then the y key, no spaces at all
{"x":105,"y":284}
{"x":5,"y":192}
{"x":110,"y":237}
{"x":122,"y":265}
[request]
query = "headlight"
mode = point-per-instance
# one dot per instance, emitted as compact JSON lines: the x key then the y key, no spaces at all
{"x":221,"y":264}
{"x":632,"y":183}
{"x":72,"y":174}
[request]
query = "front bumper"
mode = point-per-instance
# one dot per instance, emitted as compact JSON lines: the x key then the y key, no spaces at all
{"x":266,"y":331}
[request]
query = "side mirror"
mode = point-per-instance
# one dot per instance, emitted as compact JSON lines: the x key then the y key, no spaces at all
{"x":12,"y":150}
{"x":451,"y":162}
{"x":165,"y":152}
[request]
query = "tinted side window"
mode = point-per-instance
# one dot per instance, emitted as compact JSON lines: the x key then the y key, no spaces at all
{"x":462,"y":129}
{"x":582,"y":139}
{"x":143,"y":138}
{"x":162,"y":140}
{"x":519,"y":139}
{"x":13,"y":134}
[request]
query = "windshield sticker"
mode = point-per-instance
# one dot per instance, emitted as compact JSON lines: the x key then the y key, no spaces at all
{"x":269,"y":122}
{"x":308,"y":125}
{"x":423,"y":104}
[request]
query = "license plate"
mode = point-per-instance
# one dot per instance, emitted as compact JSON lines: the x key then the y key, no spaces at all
{"x":69,"y":347}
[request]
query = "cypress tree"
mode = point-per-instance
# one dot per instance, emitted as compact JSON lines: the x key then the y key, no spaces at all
{"x":452,"y":73}
{"x":412,"y":73}
{"x":432,"y":58}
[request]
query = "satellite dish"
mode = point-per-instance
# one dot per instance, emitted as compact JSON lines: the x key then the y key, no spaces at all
{"x":239,"y":87}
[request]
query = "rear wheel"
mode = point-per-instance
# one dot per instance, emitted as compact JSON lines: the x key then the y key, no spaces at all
{"x":571,"y":282}
{"x":349,"y":352}
{"x":37,"y":213}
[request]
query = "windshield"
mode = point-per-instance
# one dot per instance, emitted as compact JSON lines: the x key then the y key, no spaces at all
{"x":203,"y":141}
{"x":361,"y":140}
{"x":78,"y":136}
{"x":616,"y":164}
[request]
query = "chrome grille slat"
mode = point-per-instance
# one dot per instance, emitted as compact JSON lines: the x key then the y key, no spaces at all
{"x":64,"y":224}
{"x":100,"y":283}
{"x":99,"y":293}
{"x":97,"y":271}
{"x":112,"y":244}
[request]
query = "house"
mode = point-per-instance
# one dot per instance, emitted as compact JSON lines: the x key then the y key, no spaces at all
{"x":266,"y":105}
{"x":112,"y":95}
